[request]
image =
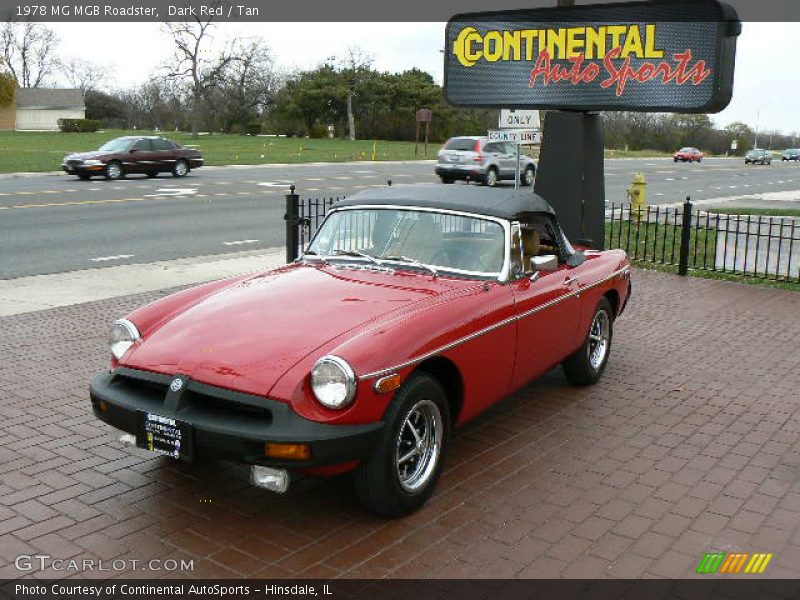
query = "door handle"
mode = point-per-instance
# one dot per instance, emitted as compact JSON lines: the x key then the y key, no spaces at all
{"x":571,"y":279}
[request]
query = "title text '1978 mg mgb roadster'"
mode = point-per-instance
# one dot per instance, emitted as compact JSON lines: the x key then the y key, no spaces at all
{"x":413,"y":309}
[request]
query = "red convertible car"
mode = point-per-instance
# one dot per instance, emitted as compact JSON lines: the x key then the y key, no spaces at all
{"x":413,"y":309}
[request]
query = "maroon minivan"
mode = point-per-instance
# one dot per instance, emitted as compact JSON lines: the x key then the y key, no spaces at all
{"x":150,"y":155}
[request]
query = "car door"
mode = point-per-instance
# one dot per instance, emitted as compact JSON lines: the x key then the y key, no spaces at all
{"x":547,"y":309}
{"x":163,"y":155}
{"x":141,"y":157}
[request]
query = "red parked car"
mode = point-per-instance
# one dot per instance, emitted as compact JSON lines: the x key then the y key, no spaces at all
{"x":688,"y":155}
{"x":414,"y":309}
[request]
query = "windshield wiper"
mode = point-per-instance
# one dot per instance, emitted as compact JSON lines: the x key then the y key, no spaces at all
{"x":412,"y":261}
{"x":369,"y":257}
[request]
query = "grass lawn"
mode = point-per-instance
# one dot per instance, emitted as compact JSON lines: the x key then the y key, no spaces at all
{"x":43,"y":151}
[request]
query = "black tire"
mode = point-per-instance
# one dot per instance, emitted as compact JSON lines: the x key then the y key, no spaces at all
{"x":114,"y":170}
{"x":181,"y":168}
{"x":674,"y":160}
{"x":447,"y":180}
{"x":492,"y":177}
{"x":528,"y":175}
{"x":378,"y":482}
{"x":84,"y":176}
{"x":581,"y":368}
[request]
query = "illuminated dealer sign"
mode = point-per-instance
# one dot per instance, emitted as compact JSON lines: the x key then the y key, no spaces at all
{"x":646,"y":56}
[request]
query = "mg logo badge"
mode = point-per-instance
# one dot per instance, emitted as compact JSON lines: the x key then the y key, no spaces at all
{"x":176,"y":384}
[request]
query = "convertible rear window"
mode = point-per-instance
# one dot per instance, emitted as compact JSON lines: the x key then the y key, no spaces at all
{"x":445,"y":241}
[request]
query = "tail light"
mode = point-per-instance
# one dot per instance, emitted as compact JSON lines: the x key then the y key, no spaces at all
{"x":479,"y":157}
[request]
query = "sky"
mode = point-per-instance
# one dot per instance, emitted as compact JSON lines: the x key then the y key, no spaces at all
{"x":766,"y":88}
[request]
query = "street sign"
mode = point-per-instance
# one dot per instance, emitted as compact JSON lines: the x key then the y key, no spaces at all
{"x":518,"y":119}
{"x":734,"y":144}
{"x":516,"y":136}
{"x":651,"y":56}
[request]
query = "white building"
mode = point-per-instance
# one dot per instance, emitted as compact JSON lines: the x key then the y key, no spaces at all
{"x":39,"y":109}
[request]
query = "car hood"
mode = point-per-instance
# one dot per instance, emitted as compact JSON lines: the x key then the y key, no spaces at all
{"x":87,"y":155}
{"x":246,"y":336}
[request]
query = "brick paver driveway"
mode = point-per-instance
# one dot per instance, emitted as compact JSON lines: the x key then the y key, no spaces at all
{"x":688,"y":444}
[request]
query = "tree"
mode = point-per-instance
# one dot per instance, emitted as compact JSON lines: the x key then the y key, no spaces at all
{"x":191,"y":63}
{"x":247,"y":85}
{"x":355,"y":68}
{"x":314,"y":98}
{"x":29,"y":52}
{"x":84,"y":74}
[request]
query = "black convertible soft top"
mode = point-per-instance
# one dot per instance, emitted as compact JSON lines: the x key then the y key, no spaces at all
{"x":494,"y":202}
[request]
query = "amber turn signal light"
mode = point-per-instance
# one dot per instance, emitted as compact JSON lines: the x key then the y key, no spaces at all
{"x":288,"y":451}
{"x":102,"y":405}
{"x":387,"y":384}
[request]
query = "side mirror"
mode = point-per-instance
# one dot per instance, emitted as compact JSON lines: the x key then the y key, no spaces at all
{"x":544,"y":264}
{"x":133,"y":150}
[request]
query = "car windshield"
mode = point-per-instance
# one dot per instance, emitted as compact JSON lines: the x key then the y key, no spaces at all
{"x":116,"y":145}
{"x":686,"y":150}
{"x":421,"y":239}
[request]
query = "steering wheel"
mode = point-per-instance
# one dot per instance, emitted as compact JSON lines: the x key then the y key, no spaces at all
{"x":462,"y":256}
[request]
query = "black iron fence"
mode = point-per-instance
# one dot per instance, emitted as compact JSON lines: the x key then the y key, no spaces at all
{"x":757,"y":246}
{"x":690,"y":239}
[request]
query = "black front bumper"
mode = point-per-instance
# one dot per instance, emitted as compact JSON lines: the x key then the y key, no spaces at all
{"x":226,"y":424}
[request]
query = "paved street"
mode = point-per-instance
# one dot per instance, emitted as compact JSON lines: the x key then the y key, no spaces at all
{"x":688,"y":445}
{"x":54,"y":223}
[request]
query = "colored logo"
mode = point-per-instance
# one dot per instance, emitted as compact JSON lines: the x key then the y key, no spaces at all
{"x":737,"y":562}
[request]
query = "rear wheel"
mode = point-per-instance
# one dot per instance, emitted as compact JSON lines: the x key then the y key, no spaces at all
{"x":114,"y":170}
{"x":588,"y":363}
{"x":181,"y":168}
{"x":492,"y":177}
{"x":446,"y":179}
{"x":84,"y":176}
{"x":402,"y":473}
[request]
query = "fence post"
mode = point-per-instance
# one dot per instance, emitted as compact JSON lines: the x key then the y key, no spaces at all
{"x":686,"y":234}
{"x":292,"y":218}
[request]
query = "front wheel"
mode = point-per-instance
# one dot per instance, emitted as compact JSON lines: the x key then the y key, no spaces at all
{"x":492,"y":178}
{"x":588,"y":363}
{"x":446,"y":180}
{"x":114,"y":170}
{"x":402,"y":473}
{"x":180,"y":169}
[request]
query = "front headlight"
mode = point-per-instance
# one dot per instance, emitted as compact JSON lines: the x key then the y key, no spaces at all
{"x":333,"y":382}
{"x":92,"y":162}
{"x":122,"y":336}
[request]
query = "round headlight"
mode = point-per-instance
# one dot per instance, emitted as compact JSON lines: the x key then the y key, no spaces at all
{"x":122,"y":336}
{"x":333,"y":382}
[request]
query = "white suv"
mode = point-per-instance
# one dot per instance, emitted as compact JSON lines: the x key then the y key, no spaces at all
{"x":474,"y":158}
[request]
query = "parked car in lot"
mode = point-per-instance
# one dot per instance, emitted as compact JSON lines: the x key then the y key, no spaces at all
{"x":688,"y":154}
{"x":791,"y":154}
{"x":121,"y":156}
{"x":476,"y":158}
{"x":758,"y":155}
{"x":413,"y":309}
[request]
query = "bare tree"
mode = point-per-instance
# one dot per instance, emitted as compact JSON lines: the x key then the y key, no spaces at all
{"x":84,"y":74}
{"x":355,"y":67}
{"x":29,"y":52}
{"x":192,"y":62}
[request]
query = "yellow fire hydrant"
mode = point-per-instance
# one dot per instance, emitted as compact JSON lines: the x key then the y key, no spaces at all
{"x":637,"y":195}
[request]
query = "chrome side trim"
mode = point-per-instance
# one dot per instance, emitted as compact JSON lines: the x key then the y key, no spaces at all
{"x":491,"y":328}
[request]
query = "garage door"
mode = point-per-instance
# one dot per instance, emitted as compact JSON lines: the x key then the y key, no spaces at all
{"x":42,"y":119}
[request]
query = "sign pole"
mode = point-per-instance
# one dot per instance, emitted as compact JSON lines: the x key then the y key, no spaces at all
{"x":516,"y":179}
